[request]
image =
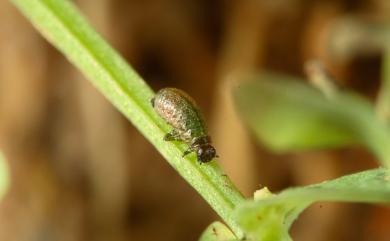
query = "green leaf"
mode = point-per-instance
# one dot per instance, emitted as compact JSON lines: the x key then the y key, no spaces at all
{"x":383,"y":101}
{"x":287,"y":115}
{"x":61,"y":24}
{"x":269,"y":219}
{"x":217,"y":231}
{"x":4,"y":176}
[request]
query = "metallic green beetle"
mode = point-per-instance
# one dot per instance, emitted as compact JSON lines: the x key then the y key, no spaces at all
{"x":179,"y":110}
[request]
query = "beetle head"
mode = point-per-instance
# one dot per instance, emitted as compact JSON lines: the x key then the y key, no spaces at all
{"x":206,"y":153}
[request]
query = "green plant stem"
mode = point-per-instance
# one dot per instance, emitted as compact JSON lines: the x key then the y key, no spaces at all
{"x":62,"y":25}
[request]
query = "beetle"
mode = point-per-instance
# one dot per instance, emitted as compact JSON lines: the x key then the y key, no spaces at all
{"x":180,"y":111}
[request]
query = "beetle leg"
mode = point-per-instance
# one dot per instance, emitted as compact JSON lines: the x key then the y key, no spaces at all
{"x":152,"y":101}
{"x":173,"y":135}
{"x":188,"y":151}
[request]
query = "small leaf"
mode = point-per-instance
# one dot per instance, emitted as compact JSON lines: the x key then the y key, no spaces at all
{"x":383,"y":101}
{"x":287,"y":115}
{"x":217,"y":231}
{"x":271,"y":218}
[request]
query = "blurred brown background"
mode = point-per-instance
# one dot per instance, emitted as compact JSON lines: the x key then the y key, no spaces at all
{"x":80,"y":171}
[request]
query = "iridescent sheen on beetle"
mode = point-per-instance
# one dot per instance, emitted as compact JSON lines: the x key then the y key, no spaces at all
{"x":180,"y":111}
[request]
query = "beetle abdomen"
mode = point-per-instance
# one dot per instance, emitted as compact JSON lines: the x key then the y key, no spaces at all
{"x":180,"y":111}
